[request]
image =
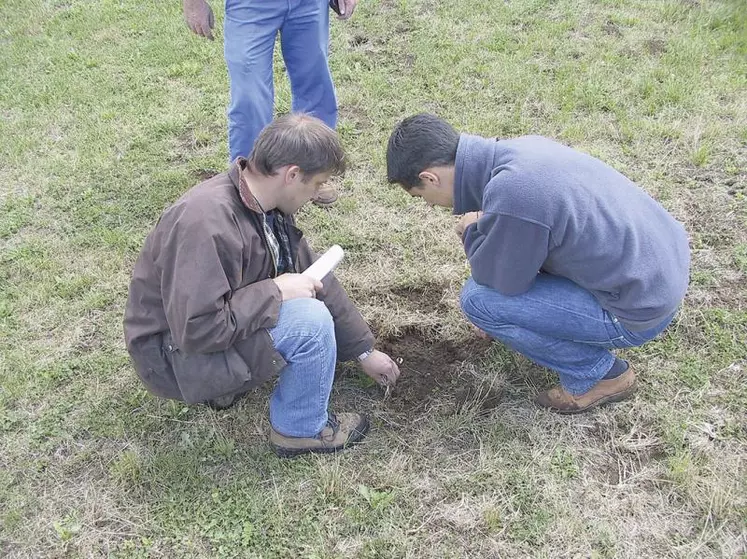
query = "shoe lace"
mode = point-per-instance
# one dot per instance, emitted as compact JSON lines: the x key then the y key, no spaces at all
{"x":333,"y":422}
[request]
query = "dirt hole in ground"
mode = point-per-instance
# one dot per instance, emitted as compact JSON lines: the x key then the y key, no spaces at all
{"x":359,"y":39}
{"x":432,"y":372}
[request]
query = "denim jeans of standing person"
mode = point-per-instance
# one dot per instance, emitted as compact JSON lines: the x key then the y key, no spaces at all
{"x":250,"y":29}
{"x":305,"y":337}
{"x":556,"y":324}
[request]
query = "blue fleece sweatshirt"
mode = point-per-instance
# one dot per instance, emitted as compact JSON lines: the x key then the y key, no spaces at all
{"x":550,"y":208}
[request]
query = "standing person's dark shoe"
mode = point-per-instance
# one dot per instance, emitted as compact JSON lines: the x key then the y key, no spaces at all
{"x":341,"y":431}
{"x":326,"y":196}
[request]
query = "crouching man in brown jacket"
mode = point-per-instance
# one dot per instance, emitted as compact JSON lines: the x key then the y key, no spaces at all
{"x":217,"y":304}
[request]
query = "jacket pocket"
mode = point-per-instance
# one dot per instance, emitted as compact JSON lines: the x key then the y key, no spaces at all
{"x":205,"y":376}
{"x":154,"y":368}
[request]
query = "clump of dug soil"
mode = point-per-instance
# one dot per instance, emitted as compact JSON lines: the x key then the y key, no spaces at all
{"x":432,"y":374}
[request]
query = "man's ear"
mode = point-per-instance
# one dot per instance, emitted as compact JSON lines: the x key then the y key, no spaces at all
{"x":292,"y":173}
{"x":427,"y":178}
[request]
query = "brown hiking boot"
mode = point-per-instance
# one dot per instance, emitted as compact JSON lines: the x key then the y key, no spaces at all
{"x":612,"y":390}
{"x":326,"y":196}
{"x":341,"y":431}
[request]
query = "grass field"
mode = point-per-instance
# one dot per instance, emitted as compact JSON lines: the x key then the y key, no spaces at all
{"x":109,"y":110}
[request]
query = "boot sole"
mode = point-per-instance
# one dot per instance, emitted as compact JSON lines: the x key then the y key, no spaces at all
{"x":356,"y":436}
{"x":611,"y":399}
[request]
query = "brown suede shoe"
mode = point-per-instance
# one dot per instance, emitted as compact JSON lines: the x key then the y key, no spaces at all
{"x":326,"y":196}
{"x":341,"y":431}
{"x":612,"y":390}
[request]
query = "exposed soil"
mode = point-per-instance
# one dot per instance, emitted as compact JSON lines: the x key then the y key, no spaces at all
{"x":430,"y":371}
{"x":432,"y":368}
{"x":359,"y":39}
{"x":656,"y":46}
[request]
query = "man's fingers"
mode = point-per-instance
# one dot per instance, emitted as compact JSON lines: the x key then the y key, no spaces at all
{"x":395,"y":370}
{"x":393,"y":373}
{"x":202,"y":26}
{"x":318,"y":286}
{"x":210,"y":23}
{"x":205,"y":29}
{"x":197,"y":28}
{"x":346,"y":9}
{"x":481,"y":333}
{"x":349,"y":8}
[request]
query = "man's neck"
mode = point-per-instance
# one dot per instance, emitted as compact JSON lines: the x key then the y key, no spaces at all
{"x":259,"y":189}
{"x":472,"y":171}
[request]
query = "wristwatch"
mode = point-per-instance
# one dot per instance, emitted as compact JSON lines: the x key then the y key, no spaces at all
{"x":365,"y":354}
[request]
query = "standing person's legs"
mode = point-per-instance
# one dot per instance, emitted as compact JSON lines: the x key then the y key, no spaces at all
{"x":559,"y":325}
{"x":305,"y":337}
{"x":250,"y":29}
{"x":304,"y":38}
{"x":324,"y":28}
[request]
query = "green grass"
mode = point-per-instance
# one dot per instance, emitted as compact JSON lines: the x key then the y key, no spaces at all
{"x":109,"y":110}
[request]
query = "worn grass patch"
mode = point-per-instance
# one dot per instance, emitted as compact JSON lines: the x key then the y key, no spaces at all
{"x":109,"y":110}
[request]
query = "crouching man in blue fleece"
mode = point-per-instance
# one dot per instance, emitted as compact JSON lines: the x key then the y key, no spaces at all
{"x":570,"y":259}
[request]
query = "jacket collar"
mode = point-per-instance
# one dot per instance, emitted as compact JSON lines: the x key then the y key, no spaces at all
{"x":473,"y":169}
{"x":237,"y":178}
{"x":249,"y":202}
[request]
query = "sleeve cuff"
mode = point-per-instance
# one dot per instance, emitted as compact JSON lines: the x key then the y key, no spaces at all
{"x":352,"y":353}
{"x":256,"y":306}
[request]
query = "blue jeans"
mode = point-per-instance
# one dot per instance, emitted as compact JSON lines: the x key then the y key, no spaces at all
{"x":556,"y":324}
{"x":305,"y":337}
{"x":250,"y":29}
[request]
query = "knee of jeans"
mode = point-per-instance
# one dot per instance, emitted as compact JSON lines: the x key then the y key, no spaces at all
{"x":314,"y":317}
{"x":469,"y":299}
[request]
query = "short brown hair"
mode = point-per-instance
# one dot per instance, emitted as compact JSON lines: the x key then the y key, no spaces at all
{"x":298,"y":139}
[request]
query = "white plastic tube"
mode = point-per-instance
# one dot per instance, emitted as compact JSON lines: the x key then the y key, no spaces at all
{"x":325,"y":264}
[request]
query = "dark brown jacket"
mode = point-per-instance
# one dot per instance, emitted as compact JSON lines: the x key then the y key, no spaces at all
{"x":202,"y":298}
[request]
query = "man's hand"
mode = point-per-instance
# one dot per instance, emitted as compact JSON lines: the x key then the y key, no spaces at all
{"x":482,"y":334}
{"x":347,"y":7}
{"x":380,"y":367}
{"x":297,"y":286}
{"x":199,"y":17}
{"x":465,"y":221}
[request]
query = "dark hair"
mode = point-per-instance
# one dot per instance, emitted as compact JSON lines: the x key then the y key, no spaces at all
{"x":417,"y":143}
{"x":298,"y":139}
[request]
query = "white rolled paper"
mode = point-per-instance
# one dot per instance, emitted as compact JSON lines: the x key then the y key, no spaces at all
{"x":326,"y":263}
